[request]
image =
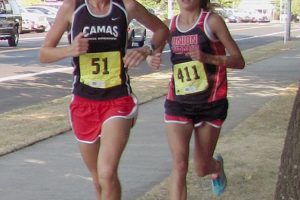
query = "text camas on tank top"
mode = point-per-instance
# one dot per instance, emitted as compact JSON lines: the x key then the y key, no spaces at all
{"x":100,"y":74}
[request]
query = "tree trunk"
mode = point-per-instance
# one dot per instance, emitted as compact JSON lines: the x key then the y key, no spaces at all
{"x":288,"y":183}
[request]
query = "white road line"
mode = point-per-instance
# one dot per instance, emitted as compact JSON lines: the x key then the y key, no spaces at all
{"x":22,"y":76}
{"x":260,"y":36}
{"x":19,"y":49}
{"x":33,"y":38}
{"x":23,"y":49}
{"x":248,"y":28}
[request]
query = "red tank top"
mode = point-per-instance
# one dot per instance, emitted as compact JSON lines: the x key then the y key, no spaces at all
{"x":194,"y":82}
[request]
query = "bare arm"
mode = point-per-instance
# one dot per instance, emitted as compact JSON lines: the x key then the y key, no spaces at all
{"x":49,"y":51}
{"x":234,"y":59}
{"x":160,"y":32}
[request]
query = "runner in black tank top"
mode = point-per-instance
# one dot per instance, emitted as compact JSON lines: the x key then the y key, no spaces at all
{"x":100,"y":74}
{"x":103,"y":107}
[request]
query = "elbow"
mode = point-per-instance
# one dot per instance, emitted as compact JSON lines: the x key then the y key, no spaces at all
{"x":242,"y":64}
{"x":41,"y":57}
{"x":164,"y":30}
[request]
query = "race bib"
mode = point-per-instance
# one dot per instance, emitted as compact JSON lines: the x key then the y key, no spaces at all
{"x":189,"y":78}
{"x":100,"y":70}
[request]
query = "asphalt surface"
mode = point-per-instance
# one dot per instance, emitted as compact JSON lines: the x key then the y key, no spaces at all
{"x":53,"y":170}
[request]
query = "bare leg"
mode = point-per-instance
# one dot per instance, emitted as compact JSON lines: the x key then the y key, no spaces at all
{"x":179,"y":138}
{"x":206,"y":137}
{"x":114,"y":137}
{"x":89,"y":153}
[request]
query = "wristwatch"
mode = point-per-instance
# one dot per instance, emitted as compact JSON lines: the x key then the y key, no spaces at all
{"x":151,"y":48}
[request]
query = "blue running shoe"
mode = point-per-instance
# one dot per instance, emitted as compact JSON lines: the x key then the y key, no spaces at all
{"x":219,"y":184}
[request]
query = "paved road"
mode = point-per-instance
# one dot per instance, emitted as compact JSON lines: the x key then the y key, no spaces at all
{"x":42,"y":84}
{"x":53,"y":170}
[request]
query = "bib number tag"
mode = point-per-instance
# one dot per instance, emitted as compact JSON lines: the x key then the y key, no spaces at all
{"x":189,"y":78}
{"x":100,"y":70}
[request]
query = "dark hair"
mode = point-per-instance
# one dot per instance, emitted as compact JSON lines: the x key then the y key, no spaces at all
{"x":205,"y":4}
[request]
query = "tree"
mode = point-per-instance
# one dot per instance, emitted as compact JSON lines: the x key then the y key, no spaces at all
{"x":289,"y":173}
{"x":160,"y":6}
{"x":296,"y":7}
{"x":227,"y":3}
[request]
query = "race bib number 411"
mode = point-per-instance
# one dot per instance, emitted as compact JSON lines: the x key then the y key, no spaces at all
{"x":189,"y":78}
{"x":100,"y":70}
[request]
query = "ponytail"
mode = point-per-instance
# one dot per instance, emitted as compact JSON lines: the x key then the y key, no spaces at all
{"x":207,"y":5}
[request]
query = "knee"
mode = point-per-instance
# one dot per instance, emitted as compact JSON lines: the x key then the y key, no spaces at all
{"x":106,"y":175}
{"x":181,"y":167}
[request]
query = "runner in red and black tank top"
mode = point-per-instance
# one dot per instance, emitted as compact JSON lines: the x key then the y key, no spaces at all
{"x":205,"y":84}
{"x":100,"y":74}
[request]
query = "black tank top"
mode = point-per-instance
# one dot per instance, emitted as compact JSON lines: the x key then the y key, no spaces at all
{"x":100,"y":74}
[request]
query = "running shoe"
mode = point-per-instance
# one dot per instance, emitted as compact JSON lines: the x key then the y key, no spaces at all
{"x":219,"y":183}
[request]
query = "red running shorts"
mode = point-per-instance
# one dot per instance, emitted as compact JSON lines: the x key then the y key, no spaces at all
{"x":87,"y":116}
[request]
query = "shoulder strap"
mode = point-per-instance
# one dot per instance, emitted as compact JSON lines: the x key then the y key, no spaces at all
{"x":120,"y":2}
{"x":205,"y":27}
{"x":172,"y":25}
{"x":79,"y":3}
{"x":202,"y":20}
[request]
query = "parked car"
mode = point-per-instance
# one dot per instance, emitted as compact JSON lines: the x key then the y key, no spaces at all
{"x":136,"y":34}
{"x":10,"y":22}
{"x":258,"y":17}
{"x":26,"y":25}
{"x":228,"y":17}
{"x":48,"y":12}
{"x":37,"y":22}
{"x":55,"y":4}
{"x":240,"y":15}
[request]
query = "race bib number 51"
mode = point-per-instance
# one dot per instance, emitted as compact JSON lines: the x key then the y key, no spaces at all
{"x":189,"y":78}
{"x":100,"y":70}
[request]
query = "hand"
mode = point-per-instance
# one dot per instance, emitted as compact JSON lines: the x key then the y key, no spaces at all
{"x":80,"y":45}
{"x":154,"y":61}
{"x":134,"y":57}
{"x":197,"y":54}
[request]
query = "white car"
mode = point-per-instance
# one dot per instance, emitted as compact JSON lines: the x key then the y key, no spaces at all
{"x":47,"y":11}
{"x":55,"y":4}
{"x":33,"y":21}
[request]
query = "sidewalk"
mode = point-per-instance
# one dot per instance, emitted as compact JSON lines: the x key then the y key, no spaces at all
{"x":252,"y":149}
{"x":260,"y":96}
